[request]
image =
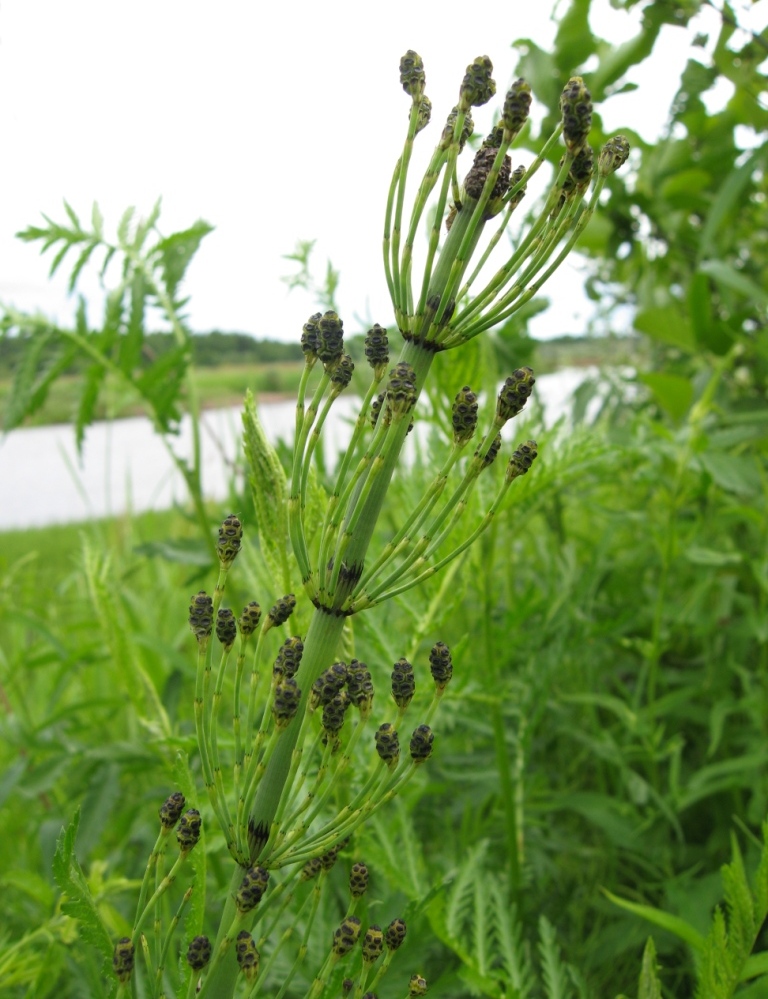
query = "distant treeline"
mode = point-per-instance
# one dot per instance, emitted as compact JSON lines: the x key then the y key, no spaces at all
{"x":208,"y":350}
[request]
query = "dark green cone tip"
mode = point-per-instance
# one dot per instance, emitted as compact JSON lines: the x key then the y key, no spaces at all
{"x":347,"y":985}
{"x":377,"y":347}
{"x":412,"y":76}
{"x":334,"y":713}
{"x":417,"y":986}
{"x":341,"y":375}
{"x":188,"y":831}
{"x":464,"y":415}
{"x":522,"y":458}
{"x":425,"y":113}
{"x":613,"y":155}
{"x":360,"y":686}
{"x":226,"y":627}
{"x":310,"y":336}
{"x":517,"y":105}
{"x":441,"y":665}
{"x":478,"y":174}
{"x":201,"y":616}
{"x":286,"y":702}
{"x":346,"y":936}
{"x":401,"y":389}
{"x":171,"y":809}
{"x":358,"y":880}
{"x":230,"y":539}
{"x":466,"y":131}
{"x":247,"y":955}
{"x":282,"y":609}
{"x":388,"y":744}
{"x":403,"y":683}
{"x":331,"y":339}
{"x":376,"y":405}
{"x":576,"y":110}
{"x":478,"y":86}
{"x":328,"y":684}
{"x":249,"y":619}
{"x":492,"y":453}
{"x":327,"y":860}
{"x":395,"y":934}
{"x":421,"y":744}
{"x":517,"y":175}
{"x":252,"y":888}
{"x":372,"y":944}
{"x":123,"y":959}
{"x":514,"y":393}
{"x":311,"y":869}
{"x":199,"y":953}
{"x":288,"y":657}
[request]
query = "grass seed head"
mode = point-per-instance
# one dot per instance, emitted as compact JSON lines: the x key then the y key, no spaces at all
{"x":360,"y":687}
{"x":286,"y":702}
{"x":576,"y":110}
{"x":421,"y":744}
{"x":517,"y":105}
{"x":395,"y":934}
{"x":252,"y":888}
{"x":247,"y":955}
{"x":341,"y":375}
{"x":401,"y":389}
{"x":403,"y":683}
{"x":282,"y":610}
{"x":230,"y":540}
{"x":464,"y":415}
{"x":288,"y":657}
{"x":372,"y":944}
{"x":199,"y":953}
{"x":492,"y":452}
{"x":514,"y":394}
{"x":201,"y":617}
{"x":613,"y":155}
{"x":123,"y":959}
{"x":358,"y":880}
{"x":522,"y":458}
{"x":226,"y":627}
{"x":188,"y":831}
{"x":412,"y":76}
{"x":478,"y":86}
{"x":441,"y":665}
{"x":328,"y":685}
{"x":334,"y":713}
{"x":417,"y":986}
{"x":346,"y":936}
{"x":171,"y":809}
{"x":310,"y":336}
{"x":311,"y":869}
{"x":249,"y":619}
{"x":388,"y":745}
{"x":330,"y":345}
{"x":377,"y":349}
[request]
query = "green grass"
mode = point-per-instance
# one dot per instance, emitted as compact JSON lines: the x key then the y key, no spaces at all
{"x":559,"y":769}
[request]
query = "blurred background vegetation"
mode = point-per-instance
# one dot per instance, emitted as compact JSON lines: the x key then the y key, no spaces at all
{"x":607,"y":730}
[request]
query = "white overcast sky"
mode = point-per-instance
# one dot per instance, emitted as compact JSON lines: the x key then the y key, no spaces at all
{"x":273,"y":122}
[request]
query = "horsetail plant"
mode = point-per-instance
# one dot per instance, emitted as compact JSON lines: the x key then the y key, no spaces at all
{"x":307,"y":763}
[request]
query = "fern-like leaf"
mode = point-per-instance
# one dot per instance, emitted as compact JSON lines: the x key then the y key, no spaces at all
{"x":553,"y":971}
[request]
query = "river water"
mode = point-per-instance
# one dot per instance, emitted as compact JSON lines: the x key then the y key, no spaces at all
{"x":126,"y":466}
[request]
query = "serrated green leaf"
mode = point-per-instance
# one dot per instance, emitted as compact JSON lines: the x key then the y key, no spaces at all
{"x":97,"y":221}
{"x":269,"y":489}
{"x":81,"y":261}
{"x":19,"y":404}
{"x":131,"y":343}
{"x":124,"y":225}
{"x":176,"y":252}
{"x":649,"y":986}
{"x":72,"y":216}
{"x":553,"y":971}
{"x":78,"y":901}
{"x":161,"y":386}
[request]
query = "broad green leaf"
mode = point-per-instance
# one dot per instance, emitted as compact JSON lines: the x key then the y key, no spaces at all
{"x":161,"y":386}
{"x":574,"y":43}
{"x":708,"y":556}
{"x":727,"y":201}
{"x":664,"y":920}
{"x":616,"y":60}
{"x":672,"y":392}
{"x":727,"y":276}
{"x":131,"y":343}
{"x":667,"y":324}
{"x":735,"y":473}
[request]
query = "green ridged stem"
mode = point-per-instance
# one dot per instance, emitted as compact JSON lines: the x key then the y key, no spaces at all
{"x":497,"y":317}
{"x":314,"y":896}
{"x":400,"y":299}
{"x":239,"y":668}
{"x":404,"y":536}
{"x":218,"y":776}
{"x":199,"y":710}
{"x":505,"y":273}
{"x":387,"y":241}
{"x":163,"y":952}
{"x":160,"y":890}
{"x":327,"y":532}
{"x":430,"y":178}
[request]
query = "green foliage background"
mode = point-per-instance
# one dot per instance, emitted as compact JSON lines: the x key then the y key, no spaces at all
{"x":603,"y":748}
